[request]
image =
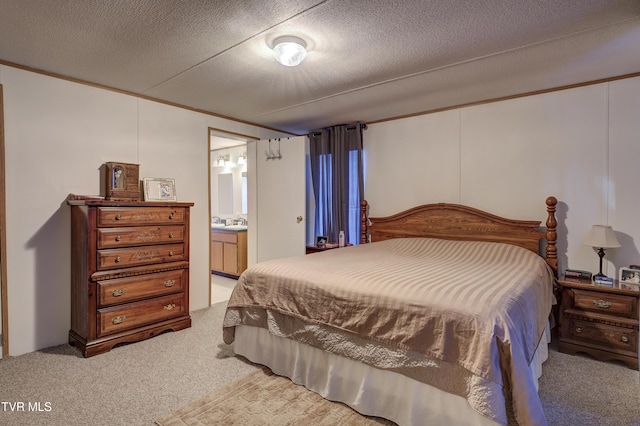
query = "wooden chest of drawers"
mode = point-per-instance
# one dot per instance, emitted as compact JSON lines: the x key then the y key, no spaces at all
{"x":130,"y":271}
{"x":599,"y":321}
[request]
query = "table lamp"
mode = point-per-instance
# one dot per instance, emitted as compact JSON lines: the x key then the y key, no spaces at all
{"x":601,"y":237}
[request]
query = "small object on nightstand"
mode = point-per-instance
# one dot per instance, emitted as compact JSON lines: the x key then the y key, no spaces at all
{"x":577,"y":276}
{"x":603,"y":281}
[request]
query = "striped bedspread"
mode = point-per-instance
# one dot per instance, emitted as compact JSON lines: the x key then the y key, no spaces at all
{"x":464,"y":316}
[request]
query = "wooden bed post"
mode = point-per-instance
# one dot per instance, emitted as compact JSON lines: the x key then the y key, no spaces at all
{"x":363,"y":222}
{"x":552,"y":235}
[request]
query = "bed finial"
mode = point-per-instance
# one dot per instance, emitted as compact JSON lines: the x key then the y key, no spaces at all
{"x":552,"y":235}
{"x":363,"y":221}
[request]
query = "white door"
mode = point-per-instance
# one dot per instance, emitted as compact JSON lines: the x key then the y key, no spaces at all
{"x":280,"y":198}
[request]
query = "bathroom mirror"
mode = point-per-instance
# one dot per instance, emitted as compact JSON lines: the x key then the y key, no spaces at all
{"x":225,"y":193}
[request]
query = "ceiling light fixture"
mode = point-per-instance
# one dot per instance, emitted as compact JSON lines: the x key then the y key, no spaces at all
{"x":289,"y":50}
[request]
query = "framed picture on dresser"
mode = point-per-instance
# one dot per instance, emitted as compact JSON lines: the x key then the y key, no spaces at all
{"x":159,"y":189}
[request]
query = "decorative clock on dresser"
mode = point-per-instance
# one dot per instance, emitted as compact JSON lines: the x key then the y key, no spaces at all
{"x":599,"y":320}
{"x":129,"y":271}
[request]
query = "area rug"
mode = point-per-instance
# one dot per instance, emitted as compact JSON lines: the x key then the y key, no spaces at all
{"x":263,"y":398}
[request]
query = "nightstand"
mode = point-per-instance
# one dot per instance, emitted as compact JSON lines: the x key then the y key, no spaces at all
{"x":600,"y":321}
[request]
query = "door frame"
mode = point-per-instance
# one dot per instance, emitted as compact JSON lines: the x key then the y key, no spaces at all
{"x":4,"y":304}
{"x":242,"y":139}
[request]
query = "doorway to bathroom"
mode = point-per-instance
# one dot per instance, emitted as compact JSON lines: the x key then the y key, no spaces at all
{"x":228,"y":211}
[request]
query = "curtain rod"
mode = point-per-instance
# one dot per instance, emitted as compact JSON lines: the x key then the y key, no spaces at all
{"x":317,"y":132}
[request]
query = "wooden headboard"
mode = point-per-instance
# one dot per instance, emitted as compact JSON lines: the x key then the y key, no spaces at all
{"x":458,"y":222}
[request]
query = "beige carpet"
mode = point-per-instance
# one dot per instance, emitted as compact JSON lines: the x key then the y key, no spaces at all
{"x":262,"y":398}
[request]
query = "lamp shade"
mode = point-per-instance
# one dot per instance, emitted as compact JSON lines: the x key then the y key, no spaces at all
{"x":289,"y":50}
{"x":601,"y":236}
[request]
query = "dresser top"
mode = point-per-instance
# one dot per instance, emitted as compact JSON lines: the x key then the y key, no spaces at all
{"x":83,"y":200}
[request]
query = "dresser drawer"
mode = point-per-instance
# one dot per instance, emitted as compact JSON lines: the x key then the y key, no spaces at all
{"x":124,"y":317}
{"x":606,"y":303}
{"x":134,"y":256}
{"x":136,"y":216}
{"x":599,"y":334}
{"x":142,"y":235}
{"x":124,"y":290}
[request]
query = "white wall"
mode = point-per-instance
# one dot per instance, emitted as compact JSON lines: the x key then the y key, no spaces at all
{"x":57,"y":135}
{"x":579,"y":145}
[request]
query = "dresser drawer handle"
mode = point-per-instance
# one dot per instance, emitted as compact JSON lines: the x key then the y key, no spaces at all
{"x":625,"y":339}
{"x":602,"y":303}
{"x":118,"y":217}
{"x":117,"y":292}
{"x":169,"y":283}
{"x":170,"y":253}
{"x":578,"y":330}
{"x":169,"y":306}
{"x":118,"y":320}
{"x":117,"y":259}
{"x":171,"y":215}
{"x":171,"y":235}
{"x":118,"y":238}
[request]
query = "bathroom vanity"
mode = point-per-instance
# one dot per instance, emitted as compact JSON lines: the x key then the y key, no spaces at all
{"x":228,"y":250}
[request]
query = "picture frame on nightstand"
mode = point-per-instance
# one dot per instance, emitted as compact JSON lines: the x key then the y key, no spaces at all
{"x":629,"y":276}
{"x":321,"y":241}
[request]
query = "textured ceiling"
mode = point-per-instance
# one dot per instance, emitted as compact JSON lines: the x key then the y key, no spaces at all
{"x":368,"y":60}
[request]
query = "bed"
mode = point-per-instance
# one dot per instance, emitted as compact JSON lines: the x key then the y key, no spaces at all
{"x":440,"y":316}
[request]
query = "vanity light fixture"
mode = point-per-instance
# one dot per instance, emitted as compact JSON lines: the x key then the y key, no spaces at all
{"x":242,"y":159}
{"x":289,"y":50}
{"x":222,"y":160}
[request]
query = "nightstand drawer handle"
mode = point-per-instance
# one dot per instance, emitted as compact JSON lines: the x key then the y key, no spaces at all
{"x":117,"y":292}
{"x":602,"y":303}
{"x":169,"y":283}
{"x":117,"y":259}
{"x":118,"y":217}
{"x":625,"y":339}
{"x":169,"y":306}
{"x":118,"y":320}
{"x":578,"y":330}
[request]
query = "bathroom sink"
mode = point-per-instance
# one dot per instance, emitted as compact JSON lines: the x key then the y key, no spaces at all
{"x":236,"y":227}
{"x":218,"y":225}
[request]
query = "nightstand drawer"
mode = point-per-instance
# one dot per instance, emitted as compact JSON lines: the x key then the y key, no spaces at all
{"x":606,"y":303}
{"x":598,"y":334}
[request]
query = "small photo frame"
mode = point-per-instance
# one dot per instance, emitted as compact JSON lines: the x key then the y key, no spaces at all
{"x":321,"y":241}
{"x":629,"y":276}
{"x":159,"y":189}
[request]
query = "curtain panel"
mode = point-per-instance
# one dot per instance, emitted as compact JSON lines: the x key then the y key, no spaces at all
{"x":337,"y":177}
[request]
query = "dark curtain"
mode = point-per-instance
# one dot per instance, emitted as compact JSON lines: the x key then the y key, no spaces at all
{"x":337,"y":175}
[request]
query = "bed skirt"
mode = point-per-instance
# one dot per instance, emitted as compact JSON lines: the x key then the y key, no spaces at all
{"x":370,"y":391}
